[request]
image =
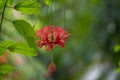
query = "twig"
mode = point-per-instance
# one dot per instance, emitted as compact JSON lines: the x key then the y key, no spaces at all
{"x":3,"y":15}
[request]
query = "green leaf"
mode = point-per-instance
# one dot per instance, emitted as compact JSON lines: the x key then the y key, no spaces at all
{"x":2,"y":3}
{"x":28,"y":7}
{"x":26,"y":30}
{"x":16,"y":47}
{"x":22,"y":49}
{"x":4,"y":69}
{"x":117,"y":48}
{"x":118,"y":69}
{"x":48,"y":2}
{"x":4,"y":46}
{"x":31,"y":42}
{"x":9,"y":3}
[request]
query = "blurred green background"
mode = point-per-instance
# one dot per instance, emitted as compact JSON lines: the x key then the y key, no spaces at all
{"x":90,"y":51}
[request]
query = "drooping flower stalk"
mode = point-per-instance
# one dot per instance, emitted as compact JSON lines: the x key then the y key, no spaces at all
{"x":50,"y":37}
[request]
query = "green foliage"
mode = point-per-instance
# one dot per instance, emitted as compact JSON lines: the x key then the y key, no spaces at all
{"x":117,"y":48}
{"x":118,"y":69}
{"x":9,"y":3}
{"x":2,"y":4}
{"x":26,"y":30}
{"x":28,"y":7}
{"x":16,"y":47}
{"x":48,"y":2}
{"x":4,"y":69}
{"x":4,"y":46}
{"x":22,"y":49}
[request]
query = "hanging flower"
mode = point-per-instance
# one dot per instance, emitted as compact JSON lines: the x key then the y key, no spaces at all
{"x":51,"y":69}
{"x":51,"y":36}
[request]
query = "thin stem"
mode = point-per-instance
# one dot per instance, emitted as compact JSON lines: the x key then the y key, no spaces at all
{"x":54,"y":13}
{"x":3,"y":15}
{"x":41,"y":12}
{"x":42,"y":5}
{"x":47,"y":14}
{"x":52,"y":56}
{"x":51,"y":20}
{"x":64,"y":14}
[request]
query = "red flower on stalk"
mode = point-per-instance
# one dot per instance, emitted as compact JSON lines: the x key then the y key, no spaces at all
{"x":51,"y":36}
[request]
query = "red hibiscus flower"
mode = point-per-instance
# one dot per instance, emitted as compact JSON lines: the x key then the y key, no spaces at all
{"x":51,"y":36}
